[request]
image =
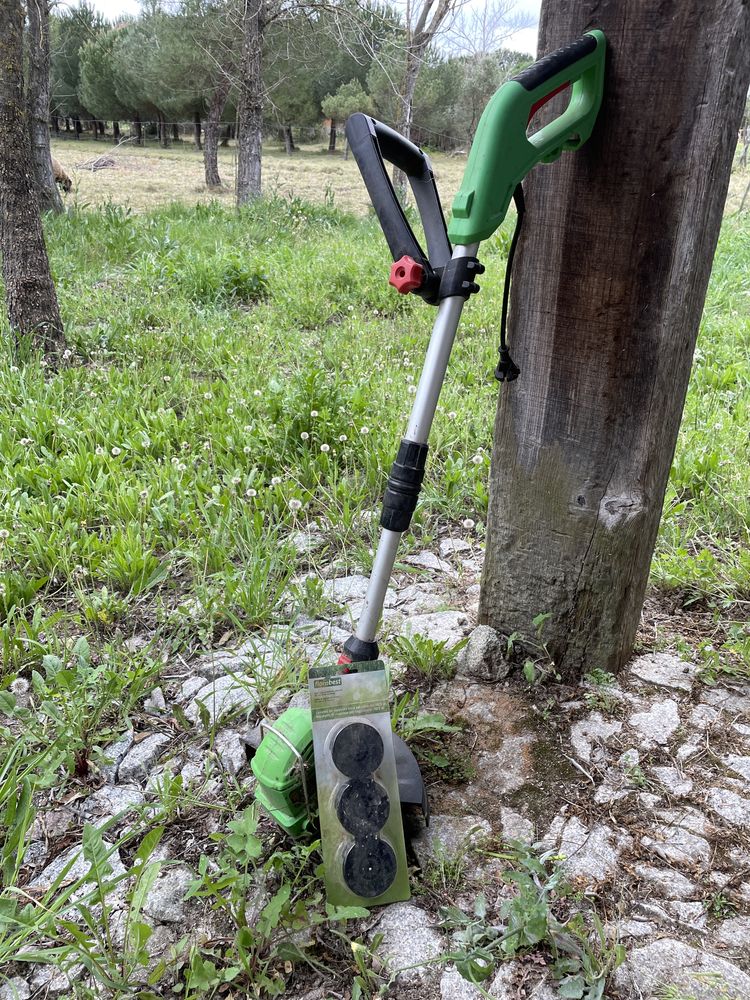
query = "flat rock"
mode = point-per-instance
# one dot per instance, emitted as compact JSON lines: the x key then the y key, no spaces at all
{"x":658,"y":723}
{"x":453,"y":546}
{"x":509,"y":768}
{"x":664,"y":670}
{"x":731,"y":807}
{"x":110,"y":801}
{"x":410,"y":939}
{"x":156,"y":702}
{"x":516,"y":826}
{"x":592,"y":730}
{"x":166,"y":899}
{"x":223,"y":695}
{"x":734,"y":934}
{"x":256,"y":653}
{"x":441,"y":626}
{"x":666,"y":883}
{"x":675,"y":782}
{"x":15,"y":989}
{"x":139,"y":761}
{"x":306,"y":541}
{"x":740,"y":765}
{"x":730,"y":700}
{"x":673,"y":843}
{"x":484,"y":656}
{"x":49,"y":980}
{"x":428,"y":560}
{"x":669,"y":962}
{"x":450,"y":836}
{"x":420,"y":598}
{"x":113,"y":754}
{"x":230,"y":750}
{"x":702,"y":716}
{"x":346,"y":588}
{"x":79,"y":867}
{"x":591,"y":854}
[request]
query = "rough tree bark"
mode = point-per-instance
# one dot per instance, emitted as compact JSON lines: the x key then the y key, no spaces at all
{"x":250,"y":109}
{"x":332,"y":136}
{"x":37,"y":12}
{"x":211,"y":132}
{"x":197,"y":130}
{"x":608,"y":291}
{"x":29,"y":292}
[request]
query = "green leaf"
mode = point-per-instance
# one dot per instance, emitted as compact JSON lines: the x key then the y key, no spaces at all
{"x":572,"y":988}
{"x":346,"y":912}
{"x":271,"y":912}
{"x":7,"y":703}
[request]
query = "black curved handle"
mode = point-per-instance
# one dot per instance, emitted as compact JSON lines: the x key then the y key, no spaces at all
{"x":555,"y":62}
{"x":372,"y":143}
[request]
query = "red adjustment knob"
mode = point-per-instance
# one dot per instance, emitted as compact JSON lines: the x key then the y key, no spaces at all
{"x":406,"y":275}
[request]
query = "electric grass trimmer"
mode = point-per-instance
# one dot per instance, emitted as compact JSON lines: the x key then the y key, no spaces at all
{"x":361,"y":770}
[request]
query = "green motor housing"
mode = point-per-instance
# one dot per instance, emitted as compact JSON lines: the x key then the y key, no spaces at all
{"x":286,"y":776}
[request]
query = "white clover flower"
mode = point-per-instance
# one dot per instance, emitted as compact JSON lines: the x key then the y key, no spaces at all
{"x":275,"y":480}
{"x":60,"y":422}
{"x":257,"y":392}
{"x":251,"y":493}
{"x":468,"y":524}
{"x":364,"y":430}
{"x":313,"y":413}
{"x":304,"y":435}
{"x":208,"y":395}
{"x":452,"y":415}
{"x":376,"y":312}
{"x":206,"y":445}
{"x":116,"y":451}
{"x":350,"y":308}
{"x":25,"y":442}
{"x":325,"y":447}
{"x":166,"y":378}
{"x":389,"y":381}
{"x":19,"y":686}
{"x":247,"y":449}
{"x":295,"y":505}
{"x":342,"y":438}
{"x":230,"y":411}
{"x":184,"y":445}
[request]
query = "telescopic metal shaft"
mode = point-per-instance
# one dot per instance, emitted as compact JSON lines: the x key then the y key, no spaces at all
{"x":418,"y":430}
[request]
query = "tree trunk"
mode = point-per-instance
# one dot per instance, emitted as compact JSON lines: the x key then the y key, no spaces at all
{"x":175,"y":132}
{"x":115,"y":132}
{"x":211,"y":142}
{"x":56,"y":124}
{"x":47,"y":192}
{"x":30,"y":296}
{"x":197,"y":129}
{"x":138,"y":130}
{"x":332,"y":137}
{"x":163,"y":133}
{"x":67,"y":124}
{"x":607,"y":296}
{"x":77,"y":125}
{"x":250,"y":109}
{"x":414,"y":57}
{"x":289,"y":146}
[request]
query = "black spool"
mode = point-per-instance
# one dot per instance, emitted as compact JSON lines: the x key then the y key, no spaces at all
{"x":370,"y":867}
{"x":363,"y":807}
{"x":357,"y":750}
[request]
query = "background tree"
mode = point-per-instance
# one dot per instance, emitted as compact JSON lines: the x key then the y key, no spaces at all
{"x":29,"y":291}
{"x":255,"y":17}
{"x":608,"y":290}
{"x":38,"y":97}
{"x":69,"y":32}
{"x":137,"y":70}
{"x":97,"y":86}
{"x":348,"y":99}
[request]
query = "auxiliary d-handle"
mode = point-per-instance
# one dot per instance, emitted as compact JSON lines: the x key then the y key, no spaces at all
{"x":372,"y":144}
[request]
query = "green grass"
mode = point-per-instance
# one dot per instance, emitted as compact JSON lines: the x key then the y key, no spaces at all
{"x":233,"y":379}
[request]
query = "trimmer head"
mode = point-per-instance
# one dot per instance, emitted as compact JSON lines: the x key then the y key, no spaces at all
{"x":286,"y":777}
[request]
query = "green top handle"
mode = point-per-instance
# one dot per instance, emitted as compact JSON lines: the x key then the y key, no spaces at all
{"x":502,"y":154}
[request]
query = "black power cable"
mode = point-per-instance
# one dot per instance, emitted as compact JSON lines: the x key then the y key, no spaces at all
{"x":507,"y":370}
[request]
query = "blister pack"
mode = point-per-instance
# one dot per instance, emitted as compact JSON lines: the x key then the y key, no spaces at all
{"x":361,"y":830}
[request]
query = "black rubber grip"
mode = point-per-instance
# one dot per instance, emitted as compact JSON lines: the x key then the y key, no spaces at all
{"x":543,"y":70}
{"x":401,"y":152}
{"x":404,"y":484}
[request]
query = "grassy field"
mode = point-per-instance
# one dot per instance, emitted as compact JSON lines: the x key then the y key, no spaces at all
{"x":144,"y":178}
{"x":232,"y":380}
{"x":150,"y":177}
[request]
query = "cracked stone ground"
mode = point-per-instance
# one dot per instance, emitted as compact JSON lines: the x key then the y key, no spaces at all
{"x":641,"y":785}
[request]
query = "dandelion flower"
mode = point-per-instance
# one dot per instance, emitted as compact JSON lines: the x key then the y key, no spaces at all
{"x":247,"y":449}
{"x":295,"y":505}
{"x":364,"y":430}
{"x":468,"y":524}
{"x":19,"y":686}
{"x":325,"y":447}
{"x":304,"y":435}
{"x":4,"y":533}
{"x":477,"y":460}
{"x":230,"y":411}
{"x":25,"y":442}
{"x":251,"y":493}
{"x":313,"y":413}
{"x":235,"y":480}
{"x":257,"y":392}
{"x":275,"y":480}
{"x":452,"y":415}
{"x":342,"y":438}
{"x":116,"y":451}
